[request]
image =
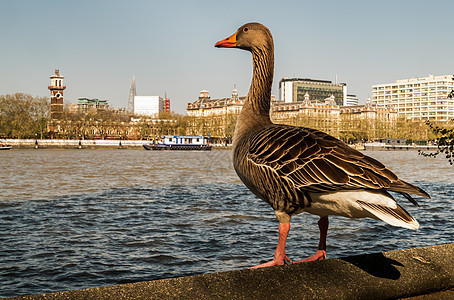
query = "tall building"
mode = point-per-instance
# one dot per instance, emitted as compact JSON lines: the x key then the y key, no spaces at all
{"x":56,"y":95}
{"x":148,"y":105}
{"x":294,"y":90}
{"x":132,"y":94}
{"x":424,"y":98}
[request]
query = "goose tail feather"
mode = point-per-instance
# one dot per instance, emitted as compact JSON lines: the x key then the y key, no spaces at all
{"x":393,"y":216}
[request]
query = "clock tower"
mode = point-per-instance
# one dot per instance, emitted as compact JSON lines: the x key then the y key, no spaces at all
{"x":56,"y":95}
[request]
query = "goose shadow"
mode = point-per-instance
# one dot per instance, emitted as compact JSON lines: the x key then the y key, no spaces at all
{"x":376,"y":265}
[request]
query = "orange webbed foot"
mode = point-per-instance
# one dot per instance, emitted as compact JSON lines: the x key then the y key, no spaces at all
{"x":275,"y":262}
{"x":319,"y":255}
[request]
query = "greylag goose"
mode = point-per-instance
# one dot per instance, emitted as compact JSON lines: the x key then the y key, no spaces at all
{"x":297,"y":169}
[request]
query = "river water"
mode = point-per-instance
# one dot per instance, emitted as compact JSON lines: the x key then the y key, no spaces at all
{"x":72,"y":219}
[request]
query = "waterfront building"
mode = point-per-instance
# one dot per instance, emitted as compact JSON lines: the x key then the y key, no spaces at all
{"x":148,"y":105}
{"x":294,"y":89}
{"x":323,"y":116}
{"x":56,"y":88}
{"x":424,"y":98}
{"x":205,"y":106}
{"x":367,"y":122}
{"x":217,"y":117}
{"x":214,"y":117}
{"x":84,"y":105}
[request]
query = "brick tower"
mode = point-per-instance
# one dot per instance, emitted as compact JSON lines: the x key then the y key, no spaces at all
{"x":56,"y":95}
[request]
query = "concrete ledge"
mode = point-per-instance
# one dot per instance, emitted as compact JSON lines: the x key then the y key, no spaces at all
{"x":394,"y":274}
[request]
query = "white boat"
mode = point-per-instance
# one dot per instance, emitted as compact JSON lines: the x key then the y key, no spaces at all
{"x":5,"y":147}
{"x":177,"y":142}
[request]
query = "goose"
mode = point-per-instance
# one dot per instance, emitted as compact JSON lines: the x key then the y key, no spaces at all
{"x":298,"y":169}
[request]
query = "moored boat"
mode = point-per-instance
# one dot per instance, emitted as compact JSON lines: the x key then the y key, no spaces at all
{"x":5,"y":147}
{"x":174,"y":142}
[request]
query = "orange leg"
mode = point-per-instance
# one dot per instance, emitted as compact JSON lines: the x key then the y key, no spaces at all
{"x":320,"y":254}
{"x":279,"y":255}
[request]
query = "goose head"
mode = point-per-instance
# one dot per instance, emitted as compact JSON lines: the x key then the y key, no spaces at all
{"x":249,"y":37}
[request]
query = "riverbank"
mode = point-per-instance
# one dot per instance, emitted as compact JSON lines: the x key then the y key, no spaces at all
{"x":423,"y":273}
{"x":72,"y":144}
{"x":397,"y":147}
{"x":80,"y":144}
{"x":137,"y":144}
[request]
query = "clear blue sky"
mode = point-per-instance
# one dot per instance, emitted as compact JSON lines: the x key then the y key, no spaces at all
{"x":98,"y":45}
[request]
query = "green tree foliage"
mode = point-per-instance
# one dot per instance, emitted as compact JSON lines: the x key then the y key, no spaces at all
{"x":445,"y":141}
{"x":23,"y":116}
{"x":444,"y":137}
{"x":170,"y":123}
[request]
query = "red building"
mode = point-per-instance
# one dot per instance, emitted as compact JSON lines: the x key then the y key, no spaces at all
{"x":56,"y":95}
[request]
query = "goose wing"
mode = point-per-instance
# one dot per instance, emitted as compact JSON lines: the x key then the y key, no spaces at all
{"x":317,"y":162}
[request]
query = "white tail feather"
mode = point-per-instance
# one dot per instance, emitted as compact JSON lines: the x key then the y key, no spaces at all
{"x":393,"y":216}
{"x":361,"y":204}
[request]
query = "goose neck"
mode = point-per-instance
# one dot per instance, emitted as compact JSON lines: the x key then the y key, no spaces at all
{"x":259,"y":96}
{"x":256,"y":109}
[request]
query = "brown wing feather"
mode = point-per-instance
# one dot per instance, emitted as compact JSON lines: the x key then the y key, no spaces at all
{"x":315,"y":162}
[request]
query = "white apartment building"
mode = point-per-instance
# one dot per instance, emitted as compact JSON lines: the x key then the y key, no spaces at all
{"x":423,"y":98}
{"x":148,"y":105}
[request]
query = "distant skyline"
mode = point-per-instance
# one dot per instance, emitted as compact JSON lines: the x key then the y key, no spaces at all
{"x":98,"y":45}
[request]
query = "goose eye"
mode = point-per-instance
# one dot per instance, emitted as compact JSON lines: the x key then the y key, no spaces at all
{"x":245,"y":29}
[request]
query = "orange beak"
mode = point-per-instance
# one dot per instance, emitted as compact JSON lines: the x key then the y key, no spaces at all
{"x":228,"y":42}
